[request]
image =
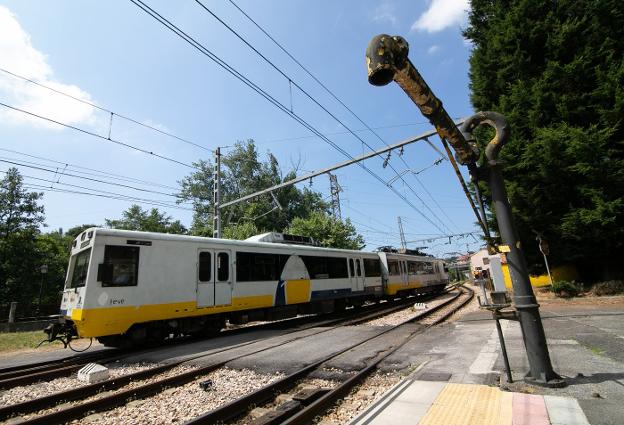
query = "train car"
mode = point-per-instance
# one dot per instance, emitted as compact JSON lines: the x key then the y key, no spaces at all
{"x":126,"y":287}
{"x":414,"y":274}
{"x":135,"y":286}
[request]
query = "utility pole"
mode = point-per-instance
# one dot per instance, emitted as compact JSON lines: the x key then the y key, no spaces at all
{"x":387,"y":61}
{"x":402,"y":233}
{"x":216,"y":213}
{"x":335,"y":190}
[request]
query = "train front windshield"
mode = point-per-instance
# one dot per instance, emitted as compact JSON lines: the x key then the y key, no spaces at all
{"x":79,"y":265}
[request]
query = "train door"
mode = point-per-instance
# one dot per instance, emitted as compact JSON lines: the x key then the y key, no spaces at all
{"x":359,"y":274}
{"x":205,"y":279}
{"x":404,"y":273}
{"x":223,"y":277}
{"x":356,"y":274}
{"x":214,"y":278}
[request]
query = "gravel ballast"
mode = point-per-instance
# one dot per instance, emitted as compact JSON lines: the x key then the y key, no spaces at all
{"x":179,"y":404}
{"x":42,"y":389}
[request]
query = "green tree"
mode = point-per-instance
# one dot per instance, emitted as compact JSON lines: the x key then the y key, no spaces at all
{"x":20,"y":217}
{"x":136,"y":218}
{"x":244,"y":173}
{"x":328,"y":231}
{"x":556,"y":71}
{"x":76,"y":230}
{"x":52,"y":249}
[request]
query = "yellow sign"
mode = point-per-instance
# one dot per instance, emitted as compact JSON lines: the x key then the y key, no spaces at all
{"x":503,"y":248}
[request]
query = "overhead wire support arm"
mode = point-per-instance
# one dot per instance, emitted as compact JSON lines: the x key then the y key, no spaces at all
{"x":331,"y":168}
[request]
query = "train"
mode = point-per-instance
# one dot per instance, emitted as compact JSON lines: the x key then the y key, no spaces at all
{"x":129,"y":288}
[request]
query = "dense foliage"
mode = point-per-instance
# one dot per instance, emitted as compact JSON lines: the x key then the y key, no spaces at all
{"x":243,"y":173}
{"x":23,"y":249}
{"x":556,"y":70}
{"x":136,"y":218}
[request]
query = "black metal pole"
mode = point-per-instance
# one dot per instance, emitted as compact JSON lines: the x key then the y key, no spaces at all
{"x":523,"y":296}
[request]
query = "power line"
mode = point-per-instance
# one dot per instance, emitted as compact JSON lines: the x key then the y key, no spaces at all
{"x":202,"y":49}
{"x":90,"y":133}
{"x":104,"y":109}
{"x":90,"y":179}
{"x":96,"y":172}
{"x":313,"y":99}
{"x":99,"y":193}
{"x":336,"y":133}
{"x":333,"y":95}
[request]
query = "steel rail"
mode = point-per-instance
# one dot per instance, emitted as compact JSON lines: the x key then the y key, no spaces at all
{"x":146,"y":390}
{"x":27,"y":374}
{"x":308,"y":413}
{"x":239,"y":406}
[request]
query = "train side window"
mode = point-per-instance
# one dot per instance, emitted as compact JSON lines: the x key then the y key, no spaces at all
{"x":80,"y":267}
{"x":393,"y":268}
{"x":223,"y":266}
{"x":205,"y":266}
{"x":255,"y":266}
{"x":121,"y":266}
{"x":358,"y":268}
{"x":351,"y":267}
{"x":412,"y":267}
{"x":372,"y":268}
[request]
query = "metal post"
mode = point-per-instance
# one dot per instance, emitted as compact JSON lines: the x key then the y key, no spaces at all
{"x":524,"y":299}
{"x":44,"y":270}
{"x":335,"y":190}
{"x":12,"y":311}
{"x":544,"y":252}
{"x":501,"y":339}
{"x":387,"y":60}
{"x":216,"y":217}
{"x":401,"y":233}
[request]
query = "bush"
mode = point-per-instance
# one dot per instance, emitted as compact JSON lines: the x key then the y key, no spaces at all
{"x":611,"y":287}
{"x":566,"y":289}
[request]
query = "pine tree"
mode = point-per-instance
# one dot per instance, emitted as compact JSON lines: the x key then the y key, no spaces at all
{"x":555,"y":69}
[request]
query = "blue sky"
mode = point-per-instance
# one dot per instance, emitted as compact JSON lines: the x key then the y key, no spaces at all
{"x":116,"y":56}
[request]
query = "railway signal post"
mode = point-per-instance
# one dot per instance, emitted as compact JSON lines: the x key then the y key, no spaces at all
{"x":387,"y":60}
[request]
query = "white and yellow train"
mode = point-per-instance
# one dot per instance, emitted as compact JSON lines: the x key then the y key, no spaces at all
{"x":130,"y":287}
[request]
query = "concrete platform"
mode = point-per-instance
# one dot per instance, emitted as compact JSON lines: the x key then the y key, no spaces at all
{"x":414,"y":401}
{"x":586,"y":344}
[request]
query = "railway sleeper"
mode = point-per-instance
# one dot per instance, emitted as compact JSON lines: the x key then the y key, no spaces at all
{"x":287,"y":409}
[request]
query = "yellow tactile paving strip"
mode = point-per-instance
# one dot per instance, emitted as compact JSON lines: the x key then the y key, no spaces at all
{"x":462,"y":404}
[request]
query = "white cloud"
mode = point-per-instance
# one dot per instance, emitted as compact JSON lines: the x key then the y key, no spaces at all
{"x":431,"y":50}
{"x":442,"y":14}
{"x":18,"y":55}
{"x":385,"y":13}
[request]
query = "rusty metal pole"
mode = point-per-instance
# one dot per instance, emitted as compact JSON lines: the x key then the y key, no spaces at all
{"x":387,"y":61}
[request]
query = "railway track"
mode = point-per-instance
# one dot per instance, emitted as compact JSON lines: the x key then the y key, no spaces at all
{"x":120,"y":397}
{"x":316,"y":402}
{"x":15,"y":376}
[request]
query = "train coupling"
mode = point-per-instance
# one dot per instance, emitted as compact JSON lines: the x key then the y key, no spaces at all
{"x":62,"y":330}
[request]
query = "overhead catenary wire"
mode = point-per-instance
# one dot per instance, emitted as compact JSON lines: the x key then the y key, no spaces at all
{"x":112,"y":113}
{"x":95,"y":171}
{"x":99,"y":136}
{"x":98,"y":195}
{"x":90,"y":179}
{"x":316,"y":102}
{"x":334,"y":96}
{"x":202,"y":49}
{"x":98,"y":192}
{"x":336,"y":133}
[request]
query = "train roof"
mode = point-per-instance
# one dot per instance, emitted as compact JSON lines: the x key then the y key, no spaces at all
{"x":186,"y":238}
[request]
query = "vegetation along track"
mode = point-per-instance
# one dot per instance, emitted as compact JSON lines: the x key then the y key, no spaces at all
{"x":77,"y":410}
{"x":296,"y":412}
